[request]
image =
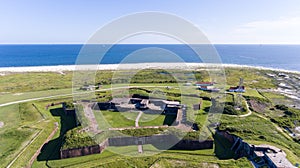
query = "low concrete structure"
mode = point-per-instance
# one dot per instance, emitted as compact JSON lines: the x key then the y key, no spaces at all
{"x":273,"y":156}
{"x":237,"y":89}
{"x":88,"y":87}
{"x":143,"y":104}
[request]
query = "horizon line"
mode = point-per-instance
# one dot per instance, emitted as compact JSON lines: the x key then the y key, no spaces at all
{"x":149,"y":44}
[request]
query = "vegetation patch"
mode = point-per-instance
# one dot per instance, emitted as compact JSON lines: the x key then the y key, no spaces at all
{"x":143,"y":131}
{"x":76,"y":138}
{"x":290,"y":119}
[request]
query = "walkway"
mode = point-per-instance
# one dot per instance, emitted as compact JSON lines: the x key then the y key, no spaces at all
{"x":140,"y":148}
{"x":138,"y":118}
{"x":89,"y":114}
{"x":127,"y":128}
{"x":248,"y":109}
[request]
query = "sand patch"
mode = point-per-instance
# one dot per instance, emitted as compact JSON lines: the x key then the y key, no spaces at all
{"x":61,"y":72}
{"x":17,"y":94}
{"x":1,"y":124}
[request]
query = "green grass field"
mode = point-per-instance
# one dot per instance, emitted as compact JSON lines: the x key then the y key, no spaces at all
{"x":115,"y":119}
{"x":151,"y":120}
{"x":19,"y":128}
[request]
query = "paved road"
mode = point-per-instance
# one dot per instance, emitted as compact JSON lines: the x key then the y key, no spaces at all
{"x":71,"y":94}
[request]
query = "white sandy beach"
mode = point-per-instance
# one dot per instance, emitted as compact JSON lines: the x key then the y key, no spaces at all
{"x":61,"y":68}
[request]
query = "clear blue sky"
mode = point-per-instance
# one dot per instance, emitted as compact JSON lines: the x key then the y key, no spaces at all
{"x":223,"y":21}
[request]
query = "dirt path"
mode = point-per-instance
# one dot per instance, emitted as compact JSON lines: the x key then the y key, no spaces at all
{"x":249,"y":111}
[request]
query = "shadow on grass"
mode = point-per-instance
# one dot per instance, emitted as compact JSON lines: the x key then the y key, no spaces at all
{"x":51,"y":150}
{"x":222,"y":148}
{"x":170,"y":120}
{"x":206,"y":109}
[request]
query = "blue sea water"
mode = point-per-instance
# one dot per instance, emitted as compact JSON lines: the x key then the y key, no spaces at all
{"x":271,"y":56}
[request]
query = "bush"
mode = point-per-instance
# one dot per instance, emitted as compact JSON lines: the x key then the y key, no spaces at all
{"x":228,"y":109}
{"x":76,"y":138}
{"x":262,"y":137}
{"x":142,"y":131}
{"x":289,"y":113}
{"x":70,"y":105}
{"x":281,"y":107}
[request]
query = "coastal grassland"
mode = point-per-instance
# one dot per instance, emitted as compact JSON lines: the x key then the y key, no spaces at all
{"x":53,"y":81}
{"x":252,"y":92}
{"x":34,"y":81}
{"x":278,"y":109}
{"x":29,"y":129}
{"x":271,"y":95}
{"x":10,"y":97}
{"x":17,"y":130}
{"x":39,"y":81}
{"x":25,"y":129}
{"x":277,"y":98}
{"x":109,"y":159}
{"x":253,"y":78}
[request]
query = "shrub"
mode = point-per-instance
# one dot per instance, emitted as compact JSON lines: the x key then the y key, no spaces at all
{"x":70,"y":105}
{"x":281,"y":107}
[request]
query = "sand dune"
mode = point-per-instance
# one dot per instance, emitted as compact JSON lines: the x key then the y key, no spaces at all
{"x":61,"y":68}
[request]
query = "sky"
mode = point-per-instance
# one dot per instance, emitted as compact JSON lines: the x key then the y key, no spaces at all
{"x":222,"y":21}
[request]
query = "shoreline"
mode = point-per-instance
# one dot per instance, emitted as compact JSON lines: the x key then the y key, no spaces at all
{"x":62,"y":68}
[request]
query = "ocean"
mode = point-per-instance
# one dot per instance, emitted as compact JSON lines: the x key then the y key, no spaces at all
{"x":270,"y":56}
